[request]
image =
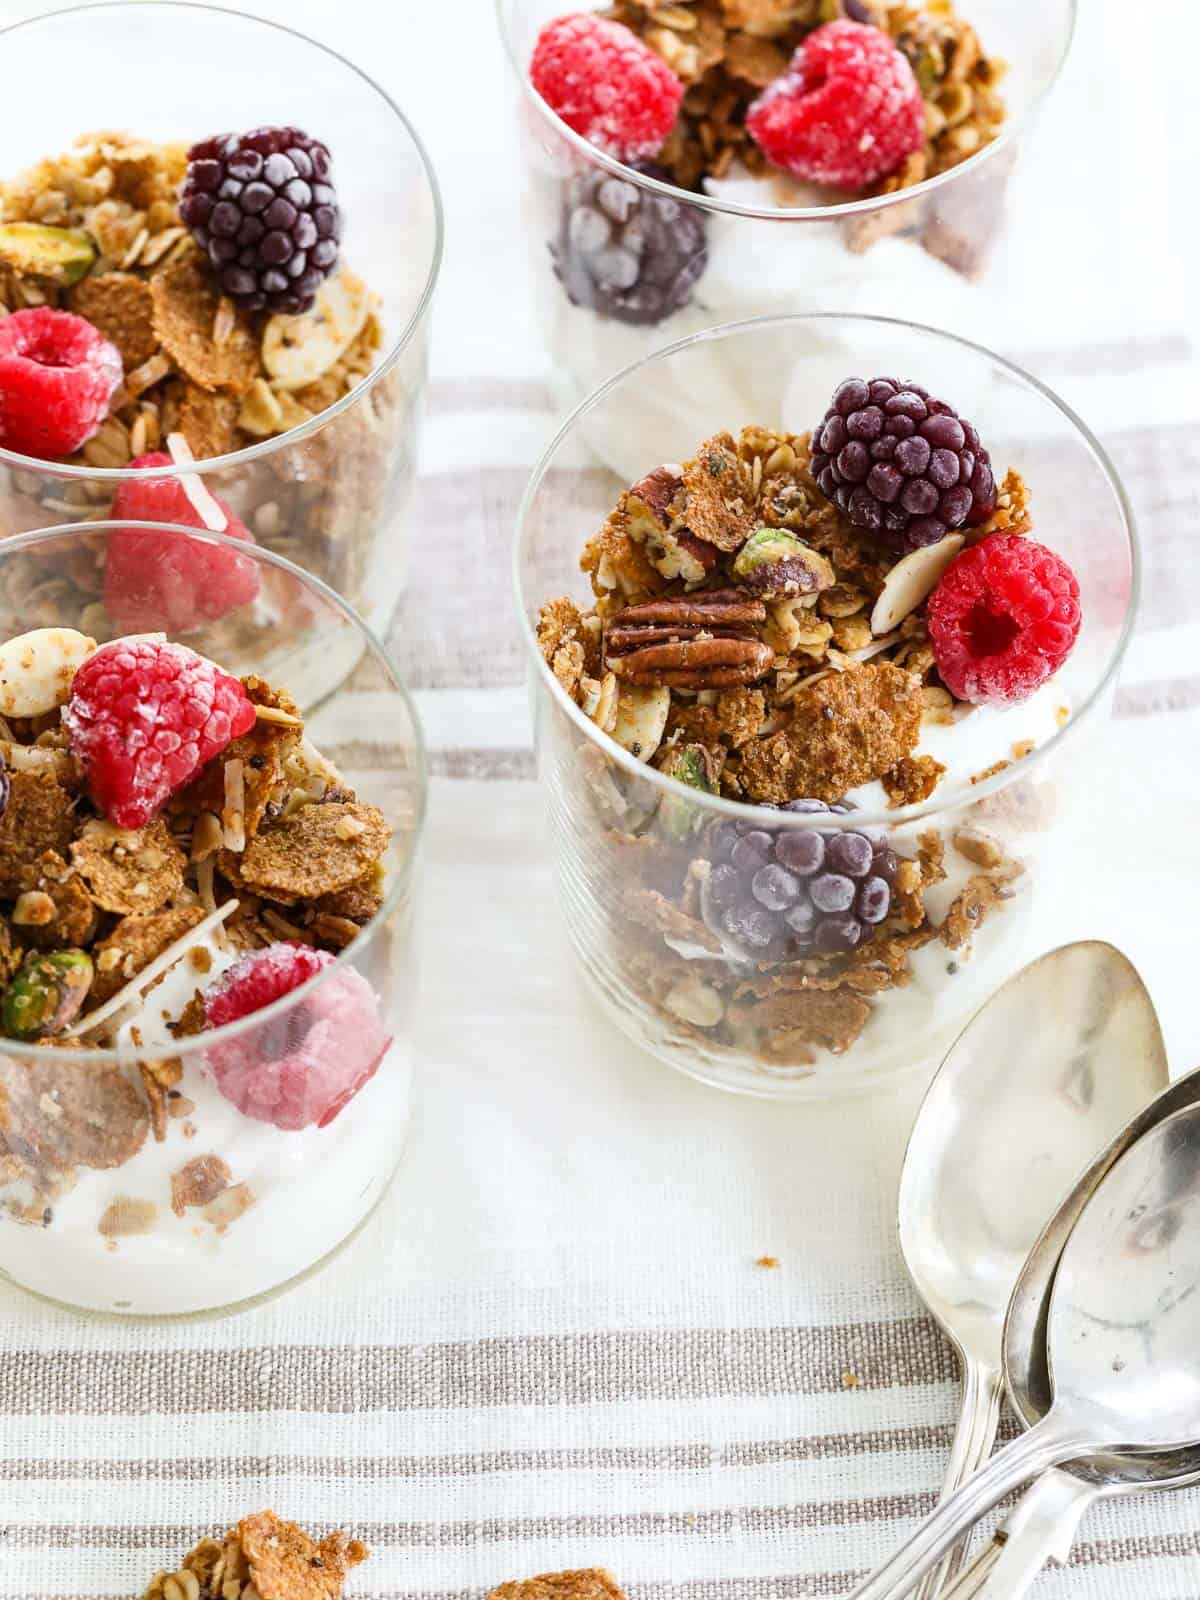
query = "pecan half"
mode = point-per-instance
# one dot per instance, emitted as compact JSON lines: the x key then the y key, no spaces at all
{"x":697,"y":641}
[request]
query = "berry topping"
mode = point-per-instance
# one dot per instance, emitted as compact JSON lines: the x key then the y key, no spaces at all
{"x":156,"y":581}
{"x":901,"y":464}
{"x":1003,"y":619}
{"x":144,"y":717}
{"x":606,"y":84}
{"x":57,"y":376}
{"x":847,"y":111}
{"x":262,"y":207}
{"x":782,"y":896}
{"x":304,"y":1066}
{"x":625,"y":253}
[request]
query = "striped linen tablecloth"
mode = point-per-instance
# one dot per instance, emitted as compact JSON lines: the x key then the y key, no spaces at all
{"x":552,"y":1346}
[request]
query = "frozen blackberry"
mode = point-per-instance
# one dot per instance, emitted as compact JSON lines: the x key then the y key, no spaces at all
{"x":262,"y":208}
{"x":628,"y":254}
{"x":775,"y":896}
{"x":901,"y":464}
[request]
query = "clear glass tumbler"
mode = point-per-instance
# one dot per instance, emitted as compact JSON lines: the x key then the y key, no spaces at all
{"x":332,"y":490}
{"x":634,"y":849}
{"x":747,"y":246}
{"x":165,"y":1166}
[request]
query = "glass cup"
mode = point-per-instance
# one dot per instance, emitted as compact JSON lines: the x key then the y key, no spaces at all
{"x":635,"y":851}
{"x":138,"y":1174}
{"x":333,"y":492}
{"x":935,"y":251}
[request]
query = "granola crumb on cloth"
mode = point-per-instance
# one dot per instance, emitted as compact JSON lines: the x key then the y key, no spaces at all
{"x":263,"y":1556}
{"x":587,"y":1583}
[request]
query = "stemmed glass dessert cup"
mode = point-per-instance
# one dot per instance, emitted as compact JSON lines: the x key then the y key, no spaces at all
{"x":935,"y":251}
{"x":632,"y":847}
{"x":156,"y":1201}
{"x":333,"y":492}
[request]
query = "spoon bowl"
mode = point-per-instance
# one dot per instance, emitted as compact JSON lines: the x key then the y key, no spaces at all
{"x":1052,"y":1067}
{"x":1123,"y":1340}
{"x":1044,"y":1525}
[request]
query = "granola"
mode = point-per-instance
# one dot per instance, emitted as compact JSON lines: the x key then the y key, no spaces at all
{"x":259,"y":867}
{"x":727,"y":51}
{"x":789,"y":667}
{"x":263,"y":1558}
{"x":199,"y":369}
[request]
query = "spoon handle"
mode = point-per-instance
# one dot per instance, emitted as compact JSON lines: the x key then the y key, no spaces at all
{"x":1054,"y":1439}
{"x":1042,"y":1528}
{"x":978,"y":1419}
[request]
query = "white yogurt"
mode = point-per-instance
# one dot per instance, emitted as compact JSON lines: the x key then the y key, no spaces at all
{"x":755,"y":268}
{"x":310,"y":1188}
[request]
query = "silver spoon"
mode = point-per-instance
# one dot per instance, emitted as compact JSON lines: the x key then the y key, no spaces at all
{"x":1053,"y":1066}
{"x":1044,"y":1525}
{"x":1123,"y":1341}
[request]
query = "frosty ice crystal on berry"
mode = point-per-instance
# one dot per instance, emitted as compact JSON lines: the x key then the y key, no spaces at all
{"x":304,"y":1069}
{"x":144,"y":716}
{"x":57,"y":376}
{"x":262,"y":207}
{"x":847,"y":111}
{"x":606,"y":84}
{"x":1003,"y":620}
{"x":162,"y":581}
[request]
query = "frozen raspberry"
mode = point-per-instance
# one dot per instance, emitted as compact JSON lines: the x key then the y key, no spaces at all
{"x":303,"y":1067}
{"x":57,"y":376}
{"x":627,"y":253}
{"x":262,"y":207}
{"x":774,"y":896}
{"x":153,"y":581}
{"x":847,"y":111}
{"x":1003,"y":619}
{"x":606,"y":84}
{"x":144,"y":717}
{"x":901,"y":464}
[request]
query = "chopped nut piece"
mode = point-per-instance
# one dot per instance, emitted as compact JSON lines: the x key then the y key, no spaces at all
{"x":158,"y":1080}
{"x":978,"y":847}
{"x":229,"y":1205}
{"x":126,"y":1216}
{"x":912,"y":779}
{"x":198,"y":1183}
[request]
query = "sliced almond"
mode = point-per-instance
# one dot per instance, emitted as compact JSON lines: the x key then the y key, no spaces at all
{"x":912,"y":580}
{"x":297,"y":350}
{"x":641,"y":719}
{"x":36,"y":670}
{"x":205,"y":507}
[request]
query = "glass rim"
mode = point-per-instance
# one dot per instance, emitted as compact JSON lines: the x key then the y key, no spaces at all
{"x":293,"y":436}
{"x":900,"y":816}
{"x":198,"y":1043}
{"x":733,"y":208}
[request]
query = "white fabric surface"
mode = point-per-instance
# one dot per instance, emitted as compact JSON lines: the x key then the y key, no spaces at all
{"x":552,"y":1346}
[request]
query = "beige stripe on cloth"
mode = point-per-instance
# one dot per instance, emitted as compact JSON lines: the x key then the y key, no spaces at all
{"x":563,"y":1369}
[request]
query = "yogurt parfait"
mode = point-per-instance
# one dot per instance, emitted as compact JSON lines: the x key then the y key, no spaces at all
{"x":204,"y":967}
{"x":796,"y":737}
{"x":215,"y":297}
{"x":702,"y":162}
